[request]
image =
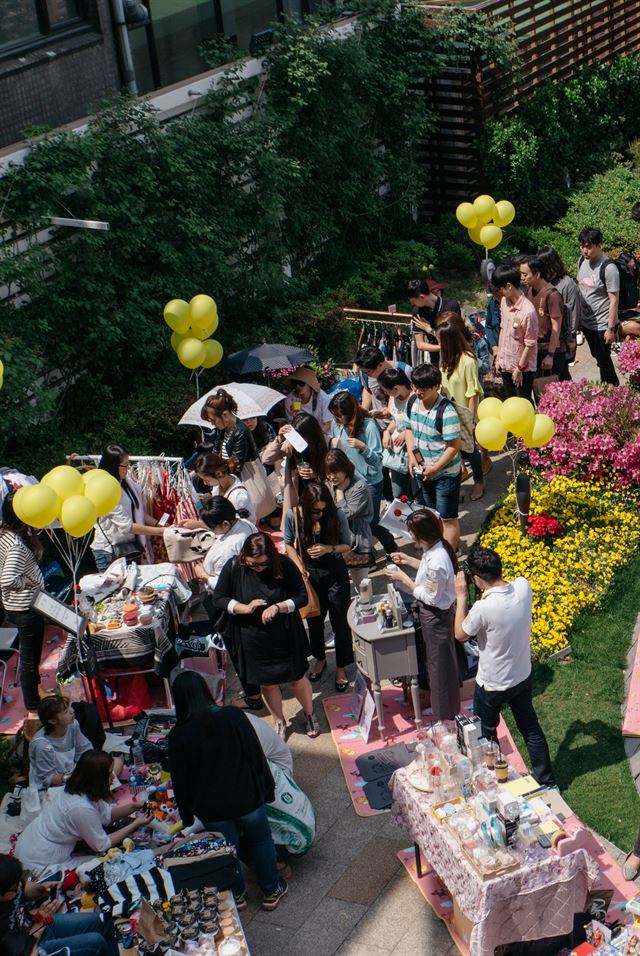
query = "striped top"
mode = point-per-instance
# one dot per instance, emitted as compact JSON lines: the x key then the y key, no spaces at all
{"x":426,"y":437}
{"x":17,"y":563}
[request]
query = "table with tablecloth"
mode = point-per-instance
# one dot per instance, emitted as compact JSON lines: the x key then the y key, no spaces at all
{"x":536,"y":900}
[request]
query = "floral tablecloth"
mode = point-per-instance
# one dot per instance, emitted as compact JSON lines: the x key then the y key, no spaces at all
{"x":537,"y":900}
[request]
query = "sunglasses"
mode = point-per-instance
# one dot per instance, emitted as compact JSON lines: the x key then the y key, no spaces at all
{"x":259,"y":564}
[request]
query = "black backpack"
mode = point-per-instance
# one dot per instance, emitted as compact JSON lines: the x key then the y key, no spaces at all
{"x":628,"y":289}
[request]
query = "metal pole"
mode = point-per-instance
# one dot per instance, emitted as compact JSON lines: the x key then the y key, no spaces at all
{"x":122,"y":40}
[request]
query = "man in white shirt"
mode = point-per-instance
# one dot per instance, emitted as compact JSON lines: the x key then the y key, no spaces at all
{"x":501,"y":622}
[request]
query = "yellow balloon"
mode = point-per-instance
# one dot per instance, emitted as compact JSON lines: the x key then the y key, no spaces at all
{"x":491,"y":434}
{"x":489,"y":408}
{"x":203,"y":311}
{"x":1,"y":374}
{"x":88,"y":476}
{"x":191,"y":352}
{"x":104,"y":491}
{"x":213,"y":354}
{"x":484,"y":208}
{"x":65,"y":481}
{"x":176,"y":338}
{"x":474,"y":235}
{"x":466,"y":215}
{"x":542,"y":432}
{"x":490,"y":236}
{"x":203,"y":334}
{"x":176,"y":315}
{"x":78,"y":515}
{"x":517,"y":416}
{"x":505,"y":213}
{"x":36,"y":505}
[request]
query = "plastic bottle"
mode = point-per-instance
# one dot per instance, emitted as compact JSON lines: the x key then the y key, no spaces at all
{"x":136,"y":753}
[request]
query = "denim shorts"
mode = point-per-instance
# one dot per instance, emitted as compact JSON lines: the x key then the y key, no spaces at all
{"x":442,"y":494}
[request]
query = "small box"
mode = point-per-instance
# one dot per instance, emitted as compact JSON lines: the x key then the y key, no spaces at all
{"x":461,"y":924}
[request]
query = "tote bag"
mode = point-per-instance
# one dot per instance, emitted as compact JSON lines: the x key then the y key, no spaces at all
{"x":254,"y":478}
{"x":312,"y":607}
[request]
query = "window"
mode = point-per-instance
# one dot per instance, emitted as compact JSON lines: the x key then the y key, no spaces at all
{"x":31,"y":23}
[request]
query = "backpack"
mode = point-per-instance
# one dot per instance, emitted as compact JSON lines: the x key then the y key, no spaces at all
{"x":467,"y":439}
{"x":628,"y":289}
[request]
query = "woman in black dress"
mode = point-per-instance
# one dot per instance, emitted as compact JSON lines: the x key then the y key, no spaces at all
{"x":262,"y":592}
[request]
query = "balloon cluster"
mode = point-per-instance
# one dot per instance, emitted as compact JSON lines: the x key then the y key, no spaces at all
{"x":76,"y":500}
{"x":192,"y":323}
{"x":1,"y":374}
{"x":485,"y":219}
{"x":515,"y":415}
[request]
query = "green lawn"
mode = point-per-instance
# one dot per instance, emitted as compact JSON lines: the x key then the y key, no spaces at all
{"x":579,"y":703}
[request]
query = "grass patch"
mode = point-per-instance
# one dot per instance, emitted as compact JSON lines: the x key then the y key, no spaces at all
{"x":579,"y":706}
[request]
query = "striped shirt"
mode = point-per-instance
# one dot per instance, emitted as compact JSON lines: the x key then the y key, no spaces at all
{"x":17,"y":563}
{"x":426,"y":437}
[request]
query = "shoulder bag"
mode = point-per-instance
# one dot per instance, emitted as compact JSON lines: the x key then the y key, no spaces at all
{"x":294,"y":553}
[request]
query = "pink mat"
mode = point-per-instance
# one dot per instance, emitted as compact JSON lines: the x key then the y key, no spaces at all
{"x":631,"y":723}
{"x":399,"y":727}
{"x":12,"y":713}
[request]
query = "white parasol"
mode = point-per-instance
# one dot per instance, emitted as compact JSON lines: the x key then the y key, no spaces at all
{"x":253,"y":401}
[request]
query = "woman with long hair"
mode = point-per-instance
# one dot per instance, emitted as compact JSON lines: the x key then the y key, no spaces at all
{"x":555,"y":272}
{"x":220,"y":775}
{"x":320,"y":534}
{"x":116,"y":533}
{"x":298,"y":468}
{"x":214,"y":472}
{"x":434,"y":591}
{"x":78,"y":811}
{"x":20,"y":581}
{"x":262,"y":592}
{"x":460,"y":384}
{"x":352,"y":496}
{"x":359,"y":438}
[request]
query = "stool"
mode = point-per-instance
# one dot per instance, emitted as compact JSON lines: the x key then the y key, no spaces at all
{"x":7,"y":637}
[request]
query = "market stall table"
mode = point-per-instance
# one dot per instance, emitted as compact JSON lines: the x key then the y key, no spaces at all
{"x":536,"y":900}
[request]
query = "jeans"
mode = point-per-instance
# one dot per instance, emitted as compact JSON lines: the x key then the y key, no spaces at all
{"x":84,"y":933}
{"x":385,"y":537}
{"x":253,"y":829}
{"x":487,"y":705}
{"x":400,"y":483}
{"x":521,"y":391}
{"x":475,"y":460}
{"x":442,"y":494}
{"x":103,"y":559}
{"x":602,"y":354}
{"x":30,"y":636}
{"x":332,"y":587}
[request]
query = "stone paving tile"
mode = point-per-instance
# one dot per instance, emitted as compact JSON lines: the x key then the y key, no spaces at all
{"x":355,"y":949}
{"x":367,"y":876}
{"x":267,"y":939}
{"x":326,"y":930}
{"x":312,"y":880}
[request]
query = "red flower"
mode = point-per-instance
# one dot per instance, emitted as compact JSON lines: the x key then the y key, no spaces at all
{"x":543,"y":526}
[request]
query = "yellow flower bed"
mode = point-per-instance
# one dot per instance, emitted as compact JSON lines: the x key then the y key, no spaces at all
{"x":601,"y":533}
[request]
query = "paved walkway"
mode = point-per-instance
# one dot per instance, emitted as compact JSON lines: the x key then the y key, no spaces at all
{"x":350,"y":895}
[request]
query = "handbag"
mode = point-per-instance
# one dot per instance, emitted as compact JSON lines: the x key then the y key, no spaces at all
{"x":206,"y":859}
{"x":359,"y":559}
{"x":395,"y":460}
{"x":254,"y":478}
{"x":312,"y":607}
{"x":130,"y":550}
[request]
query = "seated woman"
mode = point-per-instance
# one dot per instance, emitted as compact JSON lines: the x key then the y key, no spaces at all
{"x":220,"y":775}
{"x":262,"y":592}
{"x":116,"y":533}
{"x":56,"y":748}
{"x":78,"y":811}
{"x":213,"y":471}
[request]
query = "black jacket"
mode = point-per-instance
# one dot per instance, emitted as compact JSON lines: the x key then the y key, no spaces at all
{"x":240,"y":445}
{"x":218,"y":768}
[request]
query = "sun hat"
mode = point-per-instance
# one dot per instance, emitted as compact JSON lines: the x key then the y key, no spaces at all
{"x":306,"y":375}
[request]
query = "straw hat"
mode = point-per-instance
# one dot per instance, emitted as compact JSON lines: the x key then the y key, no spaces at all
{"x":306,"y":375}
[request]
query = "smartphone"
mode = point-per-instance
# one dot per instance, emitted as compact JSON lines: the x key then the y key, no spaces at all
{"x":418,"y":457}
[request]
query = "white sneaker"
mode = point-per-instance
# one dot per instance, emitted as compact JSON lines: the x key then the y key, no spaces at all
{"x":330,"y":642}
{"x":580,"y":338}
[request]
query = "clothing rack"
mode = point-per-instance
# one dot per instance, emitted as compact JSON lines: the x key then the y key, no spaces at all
{"x":159,"y":458}
{"x":350,"y":315}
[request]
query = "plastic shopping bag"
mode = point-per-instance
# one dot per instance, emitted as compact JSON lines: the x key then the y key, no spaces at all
{"x":291,"y":817}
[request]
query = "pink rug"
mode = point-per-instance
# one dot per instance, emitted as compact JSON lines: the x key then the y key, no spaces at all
{"x":631,"y":723}
{"x":12,"y":712}
{"x":400,"y":728}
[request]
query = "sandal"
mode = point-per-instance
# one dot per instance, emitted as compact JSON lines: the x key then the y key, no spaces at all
{"x":313,"y":727}
{"x":476,"y":495}
{"x":317,"y":675}
{"x":341,"y":685}
{"x":248,"y":703}
{"x":281,"y":729}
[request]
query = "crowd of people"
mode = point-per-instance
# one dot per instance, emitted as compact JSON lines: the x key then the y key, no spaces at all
{"x":399,"y":431}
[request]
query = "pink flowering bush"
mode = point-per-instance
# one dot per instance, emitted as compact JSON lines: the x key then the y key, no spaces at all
{"x":630,"y":361}
{"x":597,"y":432}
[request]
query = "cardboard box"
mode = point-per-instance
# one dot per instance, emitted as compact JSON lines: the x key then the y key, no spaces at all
{"x":462,"y":924}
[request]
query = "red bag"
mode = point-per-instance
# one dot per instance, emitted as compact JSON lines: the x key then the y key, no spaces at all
{"x":130,"y":696}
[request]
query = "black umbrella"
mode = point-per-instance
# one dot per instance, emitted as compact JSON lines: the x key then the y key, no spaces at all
{"x":261,"y":358}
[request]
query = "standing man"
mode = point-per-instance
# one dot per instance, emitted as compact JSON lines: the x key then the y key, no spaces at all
{"x":432,"y":435}
{"x":548,"y":303}
{"x":427,"y":303}
{"x":501,"y":622}
{"x":371,"y":363}
{"x":517,"y":353}
{"x":599,"y":284}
